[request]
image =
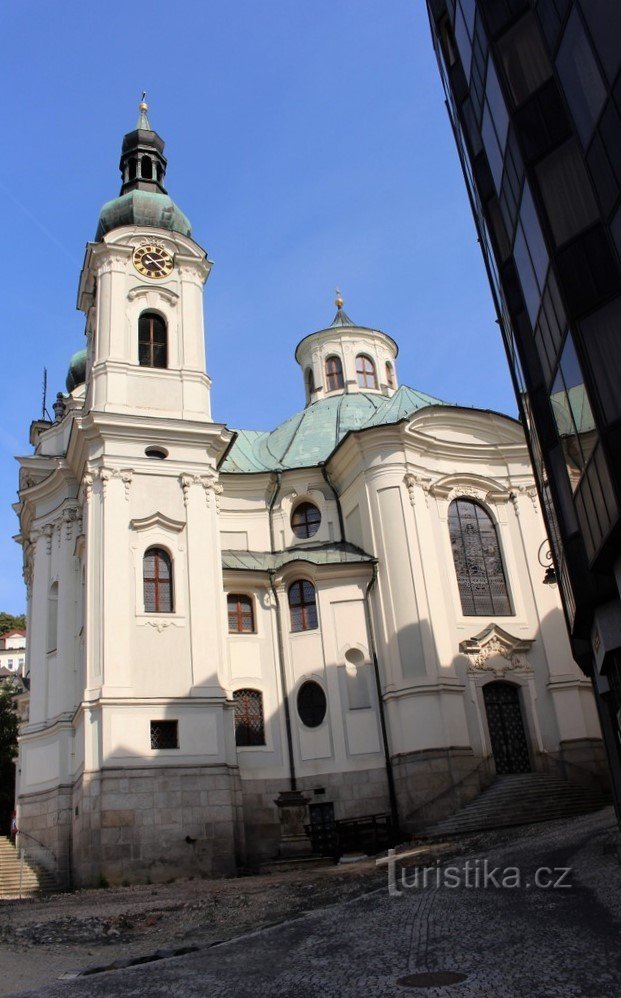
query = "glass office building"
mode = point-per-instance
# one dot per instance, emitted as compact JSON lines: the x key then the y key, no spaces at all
{"x":533,"y":92}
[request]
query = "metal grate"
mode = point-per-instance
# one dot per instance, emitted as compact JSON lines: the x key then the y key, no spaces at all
{"x":303,"y":606}
{"x":478,"y":562}
{"x":241,"y":614}
{"x":164,"y":734}
{"x":249,"y":725}
{"x":157,"y":578}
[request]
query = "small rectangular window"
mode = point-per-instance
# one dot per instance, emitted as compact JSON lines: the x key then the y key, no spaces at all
{"x":164,"y":734}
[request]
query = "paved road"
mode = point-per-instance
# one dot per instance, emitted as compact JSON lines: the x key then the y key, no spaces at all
{"x":524,"y":941}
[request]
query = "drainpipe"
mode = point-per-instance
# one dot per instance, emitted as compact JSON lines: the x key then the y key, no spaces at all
{"x":283,"y":681}
{"x":339,"y":510}
{"x":394,"y":811}
{"x":272,"y":503}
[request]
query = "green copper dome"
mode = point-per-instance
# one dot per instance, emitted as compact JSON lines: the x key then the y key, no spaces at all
{"x":309,"y":437}
{"x":76,"y":375}
{"x":142,"y":208}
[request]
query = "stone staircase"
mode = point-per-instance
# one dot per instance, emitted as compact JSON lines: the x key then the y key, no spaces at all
{"x":21,"y":881}
{"x":519,"y":799}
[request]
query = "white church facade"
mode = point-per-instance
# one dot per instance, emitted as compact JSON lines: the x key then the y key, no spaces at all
{"x":229,"y":631}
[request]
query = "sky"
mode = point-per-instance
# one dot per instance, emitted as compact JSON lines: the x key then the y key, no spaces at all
{"x":309,"y":145}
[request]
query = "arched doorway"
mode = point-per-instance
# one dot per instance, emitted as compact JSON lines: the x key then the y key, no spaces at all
{"x":506,"y":728}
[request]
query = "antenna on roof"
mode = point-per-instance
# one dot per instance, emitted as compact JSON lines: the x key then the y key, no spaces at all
{"x":44,"y":413}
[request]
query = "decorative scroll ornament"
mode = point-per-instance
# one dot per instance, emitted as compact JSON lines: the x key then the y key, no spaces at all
{"x":159,"y":625}
{"x":529,"y":491}
{"x":71,"y":515}
{"x":209,"y":483}
{"x":87,"y":485}
{"x":48,"y":531}
{"x":414,"y":481}
{"x":212,"y":487}
{"x":495,"y":650}
{"x":125,"y":475}
{"x":468,"y":492}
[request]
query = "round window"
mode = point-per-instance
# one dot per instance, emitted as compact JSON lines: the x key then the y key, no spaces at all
{"x":312,"y":704}
{"x":305,"y":520}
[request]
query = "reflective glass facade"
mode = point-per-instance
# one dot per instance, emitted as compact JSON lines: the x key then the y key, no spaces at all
{"x":534,"y":94}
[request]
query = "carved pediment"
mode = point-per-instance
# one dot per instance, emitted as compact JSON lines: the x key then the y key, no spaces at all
{"x":495,"y":650}
{"x":157,"y":520}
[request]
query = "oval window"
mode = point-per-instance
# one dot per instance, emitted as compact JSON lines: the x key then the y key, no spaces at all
{"x":159,"y":453}
{"x":312,"y":704}
{"x":305,"y":520}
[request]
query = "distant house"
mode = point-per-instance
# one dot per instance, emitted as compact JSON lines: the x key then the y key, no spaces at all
{"x":13,"y":654}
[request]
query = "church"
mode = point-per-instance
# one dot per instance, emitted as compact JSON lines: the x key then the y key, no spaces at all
{"x":235,"y":635}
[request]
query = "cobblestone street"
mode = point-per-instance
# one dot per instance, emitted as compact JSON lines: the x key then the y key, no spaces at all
{"x":513,"y":941}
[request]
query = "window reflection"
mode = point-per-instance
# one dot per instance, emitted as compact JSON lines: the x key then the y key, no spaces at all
{"x":581,"y":78}
{"x":524,"y":59}
{"x":572,"y":413}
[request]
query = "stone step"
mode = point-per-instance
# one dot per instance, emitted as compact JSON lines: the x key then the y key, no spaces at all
{"x":519,"y":799}
{"x":21,"y":879}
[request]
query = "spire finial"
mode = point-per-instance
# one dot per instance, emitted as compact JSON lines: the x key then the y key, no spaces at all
{"x":338,"y":301}
{"x":143,"y":107}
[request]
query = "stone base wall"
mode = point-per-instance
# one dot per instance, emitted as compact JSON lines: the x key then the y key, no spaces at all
{"x":44,"y":823}
{"x":433,"y":783}
{"x":354,"y":794}
{"x":154,"y":825}
{"x":581,"y":761}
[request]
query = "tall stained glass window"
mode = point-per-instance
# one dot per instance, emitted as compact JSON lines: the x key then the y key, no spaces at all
{"x":478,"y":561}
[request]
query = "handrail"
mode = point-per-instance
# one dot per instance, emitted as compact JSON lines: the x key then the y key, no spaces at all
{"x":38,"y":842}
{"x":603,"y":776}
{"x":483,"y":762}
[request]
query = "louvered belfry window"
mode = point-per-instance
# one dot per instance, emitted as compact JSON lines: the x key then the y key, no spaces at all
{"x":249,"y":724}
{"x":478,"y":561}
{"x":157,"y":581}
{"x":303,"y":606}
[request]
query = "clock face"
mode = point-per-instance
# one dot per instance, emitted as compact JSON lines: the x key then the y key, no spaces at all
{"x":153,"y":261}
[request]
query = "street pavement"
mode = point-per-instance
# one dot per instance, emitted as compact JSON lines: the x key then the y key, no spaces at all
{"x":482,"y":917}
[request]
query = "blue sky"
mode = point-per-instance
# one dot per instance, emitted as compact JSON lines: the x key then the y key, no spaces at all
{"x":309,"y":145}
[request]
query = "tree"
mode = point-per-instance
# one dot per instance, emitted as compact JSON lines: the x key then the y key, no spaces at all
{"x":10,"y":623}
{"x":9,"y":722}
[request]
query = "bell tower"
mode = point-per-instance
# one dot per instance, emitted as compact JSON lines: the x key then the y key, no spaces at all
{"x":141,"y":289}
{"x":146,"y":760}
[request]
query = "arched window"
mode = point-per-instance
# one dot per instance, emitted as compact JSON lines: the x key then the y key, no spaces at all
{"x":132,"y":169}
{"x":334,"y":374}
{"x":241,"y":613}
{"x":310,"y":383}
{"x":157,"y":581}
{"x":305,"y":520}
{"x":52,"y":617}
{"x":365,"y":370}
{"x":303,"y":606}
{"x":390,"y":375}
{"x":312,"y":704}
{"x":249,"y":723}
{"x":478,"y":561}
{"x":152,"y":340}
